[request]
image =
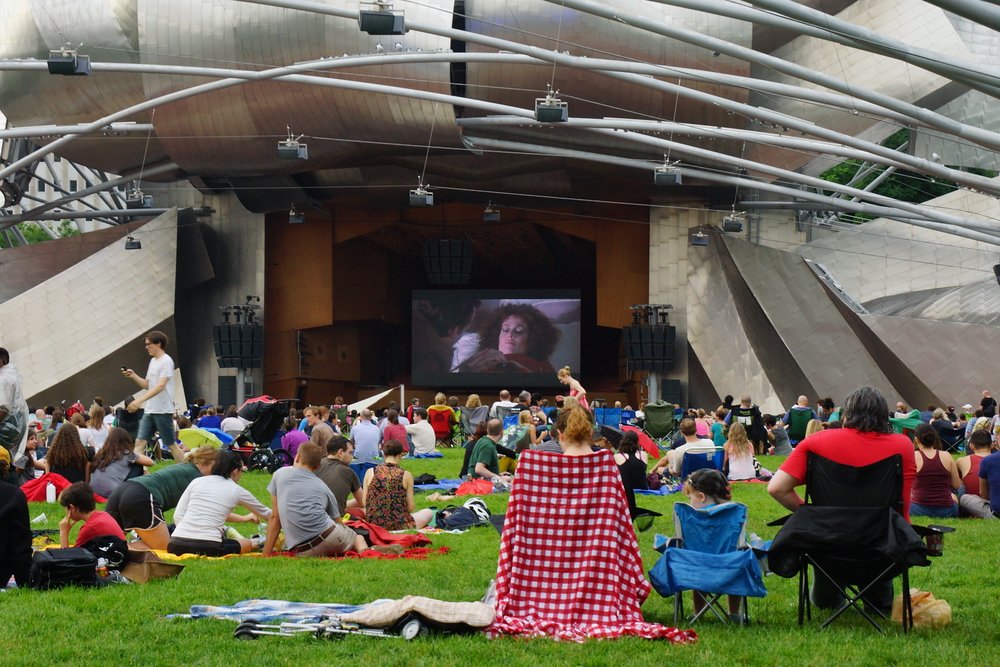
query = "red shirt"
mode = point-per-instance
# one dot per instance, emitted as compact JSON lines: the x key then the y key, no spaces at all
{"x":100,"y":523}
{"x":851,"y":447}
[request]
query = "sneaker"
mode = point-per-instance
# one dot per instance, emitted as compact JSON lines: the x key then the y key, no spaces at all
{"x":257,"y":542}
{"x":396,"y":549}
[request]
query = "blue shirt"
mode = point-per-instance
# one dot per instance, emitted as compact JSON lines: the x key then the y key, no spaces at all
{"x":989,"y":469}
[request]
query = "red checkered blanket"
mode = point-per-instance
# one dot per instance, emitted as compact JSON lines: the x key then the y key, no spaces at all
{"x":569,"y":564}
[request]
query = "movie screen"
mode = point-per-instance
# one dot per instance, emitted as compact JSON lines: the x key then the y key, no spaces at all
{"x":467,"y":338}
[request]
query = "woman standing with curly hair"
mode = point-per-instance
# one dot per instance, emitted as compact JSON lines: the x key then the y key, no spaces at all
{"x":66,"y":455}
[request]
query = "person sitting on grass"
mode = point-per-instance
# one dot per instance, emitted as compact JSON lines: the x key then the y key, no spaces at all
{"x":138,"y":504}
{"x":66,"y":455}
{"x":738,"y":458}
{"x":116,"y":462}
{"x":26,"y":464}
{"x":336,"y":473}
{"x":972,"y":503}
{"x":307,"y":511}
{"x":78,"y":499}
{"x":205,"y":507}
{"x":706,"y":488}
{"x":388,"y":493}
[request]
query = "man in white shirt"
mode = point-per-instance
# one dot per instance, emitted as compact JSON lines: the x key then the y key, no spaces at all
{"x":421,"y":432}
{"x":158,"y":399}
{"x":692,"y":443}
{"x":502,"y":408}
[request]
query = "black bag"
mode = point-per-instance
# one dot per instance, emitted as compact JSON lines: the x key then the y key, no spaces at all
{"x":456,"y":518}
{"x":52,"y":568}
{"x":425,"y":478}
{"x":111,"y":548}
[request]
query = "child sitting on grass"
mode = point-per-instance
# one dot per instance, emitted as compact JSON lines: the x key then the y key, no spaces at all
{"x":78,"y":499}
{"x":739,"y":460}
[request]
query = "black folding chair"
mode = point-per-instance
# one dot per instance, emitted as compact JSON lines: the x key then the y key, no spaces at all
{"x":852,"y":535}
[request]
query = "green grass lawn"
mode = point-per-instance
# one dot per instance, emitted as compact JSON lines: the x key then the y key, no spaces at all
{"x":127,"y":624}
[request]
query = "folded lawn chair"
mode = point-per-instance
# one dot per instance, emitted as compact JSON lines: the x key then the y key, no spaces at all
{"x":709,"y":554}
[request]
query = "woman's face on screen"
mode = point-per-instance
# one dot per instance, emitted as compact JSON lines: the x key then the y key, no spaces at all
{"x":514,"y":336}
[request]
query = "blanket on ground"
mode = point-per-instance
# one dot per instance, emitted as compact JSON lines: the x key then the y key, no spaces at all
{"x":414,"y":553}
{"x":569,"y":565}
{"x":269,"y":611}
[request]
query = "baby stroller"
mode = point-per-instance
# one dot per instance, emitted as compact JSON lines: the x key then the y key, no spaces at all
{"x":265,"y":414}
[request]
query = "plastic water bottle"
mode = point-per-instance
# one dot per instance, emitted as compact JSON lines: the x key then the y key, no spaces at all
{"x":755,"y":541}
{"x":50,"y":492}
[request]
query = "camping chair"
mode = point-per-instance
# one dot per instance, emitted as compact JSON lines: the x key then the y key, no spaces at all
{"x":798,"y":420}
{"x":660,"y":422}
{"x":608,"y":416}
{"x":441,"y":419}
{"x":953,"y":438}
{"x":852,"y":535}
{"x":697,"y":460}
{"x":472,"y":417}
{"x":709,"y":554}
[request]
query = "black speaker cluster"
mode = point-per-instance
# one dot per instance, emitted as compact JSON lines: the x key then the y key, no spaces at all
{"x":650,"y":347}
{"x":447,"y":261}
{"x":238,"y":345}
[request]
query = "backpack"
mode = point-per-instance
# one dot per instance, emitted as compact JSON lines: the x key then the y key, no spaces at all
{"x":456,"y":518}
{"x":53,"y":568}
{"x":111,"y":548}
{"x":473,"y":513}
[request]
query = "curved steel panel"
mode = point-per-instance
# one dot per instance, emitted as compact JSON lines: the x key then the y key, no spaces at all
{"x":549,"y":26}
{"x":242,"y":124}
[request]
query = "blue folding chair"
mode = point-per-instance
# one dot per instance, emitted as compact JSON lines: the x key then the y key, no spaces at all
{"x":708,"y":554}
{"x":608,"y":416}
{"x":697,"y":460}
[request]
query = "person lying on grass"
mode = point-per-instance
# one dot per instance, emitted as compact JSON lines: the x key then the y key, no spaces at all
{"x":305,"y":507}
{"x":78,"y":499}
{"x":205,"y":507}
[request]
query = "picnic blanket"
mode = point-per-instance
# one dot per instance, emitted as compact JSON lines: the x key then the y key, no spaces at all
{"x":428,"y":455}
{"x":569,"y":565}
{"x":269,"y":611}
{"x":440,"y":485}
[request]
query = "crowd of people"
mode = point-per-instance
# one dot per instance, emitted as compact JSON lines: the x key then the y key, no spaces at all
{"x":95,"y":458}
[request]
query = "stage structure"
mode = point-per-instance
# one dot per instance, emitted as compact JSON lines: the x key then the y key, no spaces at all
{"x":652,"y":140}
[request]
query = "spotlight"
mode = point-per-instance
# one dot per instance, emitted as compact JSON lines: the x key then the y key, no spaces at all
{"x":421,"y":196}
{"x":550,"y":109}
{"x":699,"y":238}
{"x":734,"y":221}
{"x":294,"y":217}
{"x":381,"y":20}
{"x":667,"y":174}
{"x":491,"y":214}
{"x":291,"y":148}
{"x":135,"y":198}
{"x":68,"y":62}
{"x":132,"y":243}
